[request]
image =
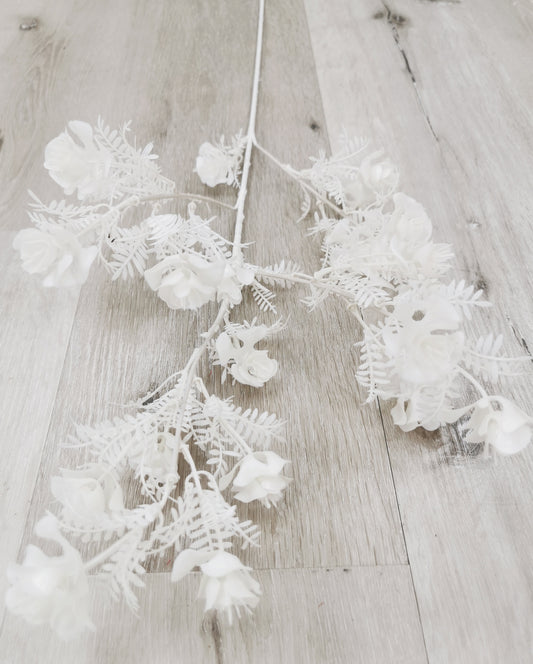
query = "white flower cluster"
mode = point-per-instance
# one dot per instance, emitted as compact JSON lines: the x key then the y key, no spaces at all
{"x":379,"y":258}
{"x":187,"y":264}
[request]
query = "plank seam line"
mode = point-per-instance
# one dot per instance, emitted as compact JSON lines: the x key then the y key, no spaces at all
{"x":403,"y":532}
{"x":397,"y":41}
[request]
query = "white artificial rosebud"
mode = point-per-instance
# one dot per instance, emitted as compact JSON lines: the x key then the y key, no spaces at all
{"x":245,"y":363}
{"x":420,"y":356}
{"x":226,"y":584}
{"x":51,"y":590}
{"x":185,"y":281}
{"x":75,"y":161}
{"x":234,"y":278}
{"x":88,"y":494}
{"x":409,"y":227}
{"x":214,"y":166}
{"x":377,"y":178}
{"x":505,"y":427}
{"x":57,"y":253}
{"x":260,"y":478}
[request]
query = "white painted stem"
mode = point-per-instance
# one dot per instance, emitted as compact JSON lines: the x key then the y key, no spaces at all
{"x":250,"y":136}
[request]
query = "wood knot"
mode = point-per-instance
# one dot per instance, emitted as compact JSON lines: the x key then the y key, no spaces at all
{"x":29,"y":24}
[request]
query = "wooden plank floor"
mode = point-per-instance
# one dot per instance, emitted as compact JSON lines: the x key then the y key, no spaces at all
{"x":389,"y":547}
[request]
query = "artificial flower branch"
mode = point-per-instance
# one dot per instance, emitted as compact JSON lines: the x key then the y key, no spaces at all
{"x":378,"y":257}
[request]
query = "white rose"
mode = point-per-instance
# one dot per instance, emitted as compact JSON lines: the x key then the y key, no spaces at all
{"x":376,"y":178}
{"x":51,"y":590}
{"x":234,"y":278}
{"x":87,"y":494}
{"x":226,"y":583}
{"x":253,"y":367}
{"x":77,"y":162}
{"x":214,"y":166}
{"x":421,"y":356}
{"x":260,"y":478}
{"x":409,"y":227}
{"x":185,"y":281}
{"x":152,"y":459}
{"x":413,"y":413}
{"x":432,"y":310}
{"x":245,"y":363}
{"x":56,"y":253}
{"x":506,"y":428}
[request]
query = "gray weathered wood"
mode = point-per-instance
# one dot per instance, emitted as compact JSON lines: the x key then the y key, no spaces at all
{"x":34,"y":335}
{"x":364,"y":615}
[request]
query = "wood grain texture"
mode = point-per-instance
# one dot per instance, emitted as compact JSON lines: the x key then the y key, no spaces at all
{"x":365,"y":615}
{"x":443,"y":92}
{"x":36,"y":325}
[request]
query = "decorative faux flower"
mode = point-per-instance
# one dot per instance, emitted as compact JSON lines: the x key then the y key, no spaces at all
{"x":377,"y":177}
{"x":226,"y":583}
{"x":234,"y":278}
{"x":504,"y":426}
{"x":185,"y":281}
{"x":246,"y":364}
{"x":88,"y":494}
{"x":420,"y":355}
{"x":51,"y":590}
{"x":414,"y":413}
{"x":56,"y":253}
{"x":429,"y":309}
{"x":152,"y":459}
{"x":408,"y":232}
{"x":214,"y":166}
{"x":75,"y":161}
{"x":260,"y":478}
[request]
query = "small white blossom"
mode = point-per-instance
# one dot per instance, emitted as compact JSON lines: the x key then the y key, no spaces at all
{"x":376,"y":179}
{"x":260,"y":478}
{"x":214,"y":165}
{"x":152,"y":459}
{"x":56,"y":253}
{"x":420,"y":355}
{"x":88,"y":494}
{"x":505,"y":427}
{"x":237,"y":352}
{"x":226,"y":584}
{"x":51,"y":590}
{"x":185,"y":281}
{"x":75,"y":161}
{"x":234,"y":278}
{"x":408,"y":232}
{"x":409,"y":415}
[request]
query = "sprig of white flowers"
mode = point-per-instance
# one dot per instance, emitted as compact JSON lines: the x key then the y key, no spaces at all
{"x":378,"y":257}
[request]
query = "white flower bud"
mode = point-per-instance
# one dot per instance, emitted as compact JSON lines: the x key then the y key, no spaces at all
{"x":260,"y":478}
{"x":214,"y":166}
{"x":506,"y":428}
{"x":75,"y":161}
{"x":185,"y":281}
{"x":51,"y":590}
{"x":56,"y":253}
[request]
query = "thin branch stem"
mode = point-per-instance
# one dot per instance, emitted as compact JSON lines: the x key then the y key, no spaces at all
{"x":250,"y":137}
{"x":473,"y":381}
{"x":192,"y":197}
{"x":294,"y":175}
